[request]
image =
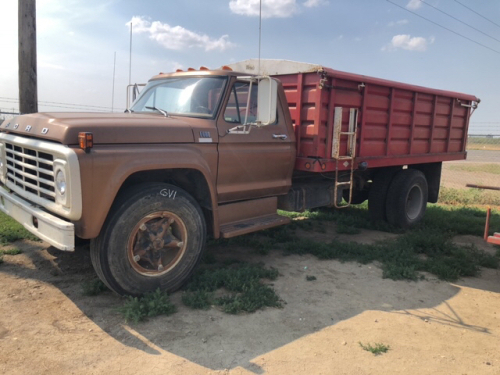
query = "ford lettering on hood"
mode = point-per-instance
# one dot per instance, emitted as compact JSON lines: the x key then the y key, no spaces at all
{"x":108,"y":128}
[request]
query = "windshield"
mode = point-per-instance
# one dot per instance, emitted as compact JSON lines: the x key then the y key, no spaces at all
{"x":188,"y":96}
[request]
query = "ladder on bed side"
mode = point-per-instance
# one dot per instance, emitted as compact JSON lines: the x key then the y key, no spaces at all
{"x":347,"y":159}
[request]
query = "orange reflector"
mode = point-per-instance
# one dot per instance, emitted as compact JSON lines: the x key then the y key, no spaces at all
{"x":191,"y":69}
{"x":225,"y":67}
{"x":86,"y":141}
{"x":179,"y":70}
{"x":204,"y":68}
{"x":308,"y":165}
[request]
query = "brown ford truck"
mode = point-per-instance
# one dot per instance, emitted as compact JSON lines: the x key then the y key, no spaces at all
{"x":216,"y":153}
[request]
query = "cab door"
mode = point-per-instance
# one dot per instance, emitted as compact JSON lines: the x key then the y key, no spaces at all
{"x":257,"y":164}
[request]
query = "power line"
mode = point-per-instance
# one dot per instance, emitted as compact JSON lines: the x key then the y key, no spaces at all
{"x":444,"y":27}
{"x":56,"y":104}
{"x":456,"y":19}
{"x":480,"y":15}
{"x":47,"y":102}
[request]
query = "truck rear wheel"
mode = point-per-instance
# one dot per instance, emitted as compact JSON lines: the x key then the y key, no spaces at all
{"x":153,"y":238}
{"x":407,"y":198}
{"x":378,"y":194}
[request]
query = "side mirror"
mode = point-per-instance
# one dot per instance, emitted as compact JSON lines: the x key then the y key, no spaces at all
{"x":133,"y":92}
{"x":267,"y":101}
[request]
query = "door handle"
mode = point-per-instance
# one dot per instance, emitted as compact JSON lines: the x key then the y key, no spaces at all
{"x":280,"y":136}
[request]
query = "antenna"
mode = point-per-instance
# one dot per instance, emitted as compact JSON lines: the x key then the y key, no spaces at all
{"x":130,"y":58}
{"x":260,"y":32}
{"x":113,"y":92}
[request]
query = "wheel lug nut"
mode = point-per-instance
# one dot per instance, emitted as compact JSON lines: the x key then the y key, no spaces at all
{"x":143,"y":227}
{"x":180,"y":244}
{"x":160,"y":267}
{"x":137,"y":258}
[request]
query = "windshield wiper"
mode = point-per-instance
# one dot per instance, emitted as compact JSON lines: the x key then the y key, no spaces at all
{"x":162,"y":111}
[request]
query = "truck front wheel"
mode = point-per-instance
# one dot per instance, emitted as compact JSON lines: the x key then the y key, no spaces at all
{"x":153,"y":238}
{"x":407,"y":198}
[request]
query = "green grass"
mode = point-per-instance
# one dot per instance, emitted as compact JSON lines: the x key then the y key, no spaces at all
{"x":93,"y":287}
{"x":11,"y":230}
{"x":137,"y":309}
{"x":483,"y":140}
{"x":461,"y":220}
{"x":468,"y":197}
{"x":377,"y":349}
{"x":483,"y":143}
{"x":426,"y":248}
{"x":241,"y":285}
{"x":13,"y":251}
{"x":487,"y":168}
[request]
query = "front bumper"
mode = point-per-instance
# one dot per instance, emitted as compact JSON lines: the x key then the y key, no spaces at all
{"x":55,"y":231}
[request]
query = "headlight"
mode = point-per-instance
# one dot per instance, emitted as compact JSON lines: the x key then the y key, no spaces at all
{"x":61,"y":182}
{"x":3,"y":165}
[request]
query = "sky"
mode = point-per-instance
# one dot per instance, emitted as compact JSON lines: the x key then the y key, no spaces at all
{"x":446,"y":44}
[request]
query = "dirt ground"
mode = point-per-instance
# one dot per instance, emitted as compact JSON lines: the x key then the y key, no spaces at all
{"x":47,"y":326}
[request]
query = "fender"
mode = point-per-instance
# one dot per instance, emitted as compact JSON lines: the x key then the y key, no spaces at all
{"x":105,"y":169}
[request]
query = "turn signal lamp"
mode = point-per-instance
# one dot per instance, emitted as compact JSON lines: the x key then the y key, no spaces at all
{"x":86,"y":141}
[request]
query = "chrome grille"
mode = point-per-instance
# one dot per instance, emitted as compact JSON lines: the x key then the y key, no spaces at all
{"x":31,"y":170}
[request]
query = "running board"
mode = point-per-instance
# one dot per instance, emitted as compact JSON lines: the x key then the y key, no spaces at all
{"x":252,"y":225}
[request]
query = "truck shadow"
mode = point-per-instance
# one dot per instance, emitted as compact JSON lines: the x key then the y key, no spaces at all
{"x":217,"y":340}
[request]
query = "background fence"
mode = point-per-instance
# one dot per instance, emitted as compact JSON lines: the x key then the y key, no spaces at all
{"x":482,"y":166}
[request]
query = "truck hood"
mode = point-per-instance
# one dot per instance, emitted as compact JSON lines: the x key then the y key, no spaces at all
{"x":107,"y":128}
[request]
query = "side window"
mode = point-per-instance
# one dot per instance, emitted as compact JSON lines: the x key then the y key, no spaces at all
{"x":236,"y":109}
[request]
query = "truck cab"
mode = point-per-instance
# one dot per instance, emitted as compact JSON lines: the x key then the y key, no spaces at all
{"x":204,"y":152}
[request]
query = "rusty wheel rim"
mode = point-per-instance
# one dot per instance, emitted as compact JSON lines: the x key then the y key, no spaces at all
{"x":157,"y":243}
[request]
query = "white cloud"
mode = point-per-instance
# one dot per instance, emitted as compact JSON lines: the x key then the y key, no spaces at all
{"x":414,"y":4}
{"x":398,"y":23}
{"x":270,"y":8}
{"x":315,"y":3}
{"x":177,"y":37}
{"x":406,"y":42}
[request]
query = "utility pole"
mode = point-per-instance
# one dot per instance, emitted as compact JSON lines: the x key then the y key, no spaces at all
{"x":28,"y":91}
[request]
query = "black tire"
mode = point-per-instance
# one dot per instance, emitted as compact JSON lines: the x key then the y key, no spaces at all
{"x":378,"y":194}
{"x":358,"y":196}
{"x":153,"y":238}
{"x":407,"y":198}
